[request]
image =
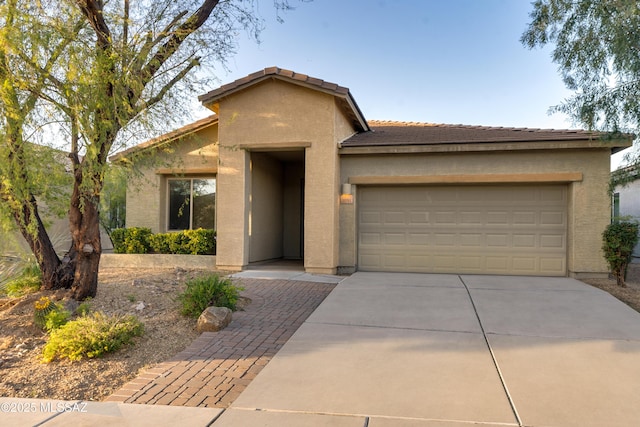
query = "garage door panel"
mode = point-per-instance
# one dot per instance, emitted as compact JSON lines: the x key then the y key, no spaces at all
{"x":474,"y":240}
{"x":524,"y":240}
{"x":370,"y":239}
{"x":524,"y":218}
{"x":552,"y":241}
{"x":472,"y":229}
{"x":524,"y":265}
{"x":552,"y":218}
{"x":419,"y":217}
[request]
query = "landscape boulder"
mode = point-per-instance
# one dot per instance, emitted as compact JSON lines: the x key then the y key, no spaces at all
{"x":214,"y":319}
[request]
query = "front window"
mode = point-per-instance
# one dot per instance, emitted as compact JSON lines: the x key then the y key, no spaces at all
{"x":192,"y":203}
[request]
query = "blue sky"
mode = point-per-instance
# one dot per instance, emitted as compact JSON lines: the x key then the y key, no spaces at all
{"x":436,"y":61}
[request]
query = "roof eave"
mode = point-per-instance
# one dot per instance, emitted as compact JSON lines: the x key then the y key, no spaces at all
{"x":167,"y":137}
{"x":275,"y":73}
{"x":479,"y":146}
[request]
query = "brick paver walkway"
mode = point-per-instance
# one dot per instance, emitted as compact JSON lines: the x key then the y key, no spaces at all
{"x":218,"y":366}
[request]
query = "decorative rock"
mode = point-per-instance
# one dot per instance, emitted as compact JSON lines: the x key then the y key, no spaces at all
{"x":214,"y":319}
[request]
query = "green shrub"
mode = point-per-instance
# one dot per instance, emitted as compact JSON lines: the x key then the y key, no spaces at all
{"x":140,"y":240}
{"x":56,"y":318}
{"x":117,"y":238}
{"x":160,"y":243}
{"x":619,"y":239}
{"x":178,"y":243}
{"x":201,"y":241}
{"x":26,"y":282}
{"x":91,"y":336}
{"x":208,"y":291}
{"x":84,"y":308}
{"x":133,"y":240}
{"x":194,"y":242}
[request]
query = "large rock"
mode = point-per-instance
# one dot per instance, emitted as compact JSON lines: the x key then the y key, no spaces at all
{"x":214,"y":319}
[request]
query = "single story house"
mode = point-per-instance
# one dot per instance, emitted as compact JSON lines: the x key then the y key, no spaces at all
{"x":297,"y":172}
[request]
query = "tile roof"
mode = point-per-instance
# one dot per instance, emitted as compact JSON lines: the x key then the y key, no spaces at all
{"x":348,"y":102}
{"x":389,"y":133}
{"x":267,"y":73}
{"x":167,"y":137}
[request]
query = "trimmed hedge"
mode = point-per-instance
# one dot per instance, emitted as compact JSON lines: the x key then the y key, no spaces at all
{"x":193,"y":242}
{"x":133,"y":240}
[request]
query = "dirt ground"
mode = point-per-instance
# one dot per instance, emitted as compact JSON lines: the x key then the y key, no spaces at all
{"x":148,"y":294}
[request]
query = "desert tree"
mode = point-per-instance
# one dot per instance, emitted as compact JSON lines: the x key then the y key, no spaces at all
{"x":101,"y":70}
{"x":596,"y":45}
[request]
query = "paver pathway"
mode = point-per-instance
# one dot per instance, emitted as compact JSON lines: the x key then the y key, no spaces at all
{"x":217,"y":366}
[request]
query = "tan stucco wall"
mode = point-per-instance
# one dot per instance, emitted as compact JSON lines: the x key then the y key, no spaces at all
{"x":588,"y":212}
{"x":280,"y":115}
{"x":194,"y":155}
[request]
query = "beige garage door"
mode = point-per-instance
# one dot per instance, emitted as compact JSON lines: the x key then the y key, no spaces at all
{"x":463,"y":229}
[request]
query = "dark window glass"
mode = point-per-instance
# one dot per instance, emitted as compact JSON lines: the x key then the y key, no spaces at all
{"x":204,"y":203}
{"x":179,"y":209}
{"x":192,"y":203}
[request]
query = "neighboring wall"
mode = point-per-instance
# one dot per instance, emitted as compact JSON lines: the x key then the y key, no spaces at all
{"x":193,"y":155}
{"x":629,"y":199}
{"x":588,"y":211}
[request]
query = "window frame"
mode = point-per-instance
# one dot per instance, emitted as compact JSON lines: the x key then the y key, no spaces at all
{"x":189,"y":178}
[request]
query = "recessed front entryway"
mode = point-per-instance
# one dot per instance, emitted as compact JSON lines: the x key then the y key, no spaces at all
{"x":500,"y":229}
{"x":276,"y":203}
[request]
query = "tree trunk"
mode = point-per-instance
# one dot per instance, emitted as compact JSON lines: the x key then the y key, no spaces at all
{"x":620,"y":275}
{"x":55,"y":274}
{"x":85,"y":232}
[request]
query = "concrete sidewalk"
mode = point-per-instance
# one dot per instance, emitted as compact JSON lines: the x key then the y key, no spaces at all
{"x":428,"y":350}
{"x":386,"y":350}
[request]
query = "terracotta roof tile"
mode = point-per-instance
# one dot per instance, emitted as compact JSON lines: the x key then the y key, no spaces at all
{"x":410,"y":133}
{"x":271,"y":72}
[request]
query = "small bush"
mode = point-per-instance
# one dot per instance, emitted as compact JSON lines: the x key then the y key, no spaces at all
{"x":201,"y":241}
{"x":55,"y":319}
{"x":84,"y":308}
{"x":26,"y":282}
{"x":49,"y":315}
{"x":133,"y":240}
{"x":208,"y":291}
{"x":619,"y":239}
{"x":91,"y":336}
{"x":193,"y":242}
{"x":160,"y":243}
{"x":41,"y":309}
{"x":117,"y":238}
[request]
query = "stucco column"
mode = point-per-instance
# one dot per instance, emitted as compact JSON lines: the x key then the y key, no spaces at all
{"x":232,"y":208}
{"x":321,"y":219}
{"x":590,"y":215}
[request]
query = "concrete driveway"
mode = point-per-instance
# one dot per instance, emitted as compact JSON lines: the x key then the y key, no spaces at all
{"x":428,"y":350}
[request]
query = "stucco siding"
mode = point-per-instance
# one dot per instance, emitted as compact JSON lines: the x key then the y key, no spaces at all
{"x":143,"y":201}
